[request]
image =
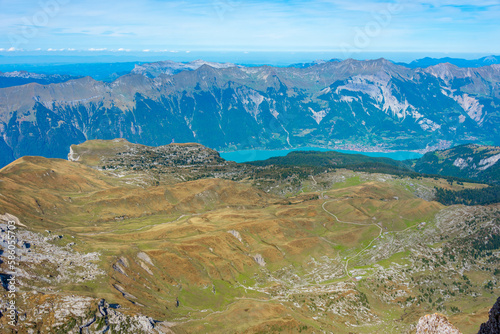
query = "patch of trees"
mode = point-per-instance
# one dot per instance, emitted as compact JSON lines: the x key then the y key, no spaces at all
{"x":484,"y":196}
{"x":354,"y":162}
{"x":331,"y":159}
{"x":492,"y":243}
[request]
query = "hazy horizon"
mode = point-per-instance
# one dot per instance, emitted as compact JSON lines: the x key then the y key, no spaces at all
{"x":242,"y":58}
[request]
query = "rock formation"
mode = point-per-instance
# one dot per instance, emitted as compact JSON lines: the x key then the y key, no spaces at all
{"x":492,"y":326}
{"x":435,"y":324}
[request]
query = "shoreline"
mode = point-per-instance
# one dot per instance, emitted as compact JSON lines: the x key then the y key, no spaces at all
{"x":242,"y":156}
{"x":370,"y":149}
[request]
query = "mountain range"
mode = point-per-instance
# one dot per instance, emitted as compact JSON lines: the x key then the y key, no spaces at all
{"x":427,"y":61}
{"x":373,"y":103}
{"x":19,"y":78}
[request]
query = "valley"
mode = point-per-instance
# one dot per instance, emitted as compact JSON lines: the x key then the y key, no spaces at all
{"x":244,"y":248}
{"x":372,"y":105}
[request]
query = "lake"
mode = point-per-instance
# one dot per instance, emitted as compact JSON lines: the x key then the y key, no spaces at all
{"x":252,"y":155}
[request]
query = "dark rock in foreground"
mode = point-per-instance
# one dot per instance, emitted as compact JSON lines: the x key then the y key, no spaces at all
{"x":492,"y":326}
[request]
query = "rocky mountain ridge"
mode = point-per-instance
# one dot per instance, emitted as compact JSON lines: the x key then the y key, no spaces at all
{"x":19,"y":78}
{"x":427,"y":61}
{"x":169,"y":67}
{"x":467,"y":161}
{"x":328,"y":104}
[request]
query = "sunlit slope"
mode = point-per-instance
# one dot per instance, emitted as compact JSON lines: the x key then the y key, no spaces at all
{"x":359,"y":256}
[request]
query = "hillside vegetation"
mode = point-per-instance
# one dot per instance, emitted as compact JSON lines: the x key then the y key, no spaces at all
{"x":453,"y":165}
{"x":469,"y":161}
{"x":243,"y":248}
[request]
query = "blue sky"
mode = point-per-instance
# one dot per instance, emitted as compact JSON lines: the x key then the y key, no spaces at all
{"x":453,"y":26}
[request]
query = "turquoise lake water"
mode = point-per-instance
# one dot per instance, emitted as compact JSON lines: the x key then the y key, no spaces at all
{"x":252,"y":155}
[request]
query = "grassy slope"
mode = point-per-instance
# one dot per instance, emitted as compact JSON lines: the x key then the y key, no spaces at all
{"x":184,"y":231}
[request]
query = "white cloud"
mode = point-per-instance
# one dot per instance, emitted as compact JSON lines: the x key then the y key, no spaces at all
{"x":12,"y":49}
{"x":97,"y":49}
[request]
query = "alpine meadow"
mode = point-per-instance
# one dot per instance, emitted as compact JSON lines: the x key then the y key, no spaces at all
{"x":234,"y":166}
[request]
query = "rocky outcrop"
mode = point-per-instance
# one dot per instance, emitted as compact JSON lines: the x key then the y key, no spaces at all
{"x":436,"y":324}
{"x":260,"y":260}
{"x":492,"y":326}
{"x":118,"y":322}
{"x":77,"y":314}
{"x":439,"y":324}
{"x":44,"y":261}
{"x":7,"y":217}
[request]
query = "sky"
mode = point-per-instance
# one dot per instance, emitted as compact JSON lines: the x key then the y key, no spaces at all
{"x":345,"y":26}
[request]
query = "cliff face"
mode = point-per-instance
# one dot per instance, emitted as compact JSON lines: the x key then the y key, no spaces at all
{"x":492,"y":326}
{"x":436,"y":324}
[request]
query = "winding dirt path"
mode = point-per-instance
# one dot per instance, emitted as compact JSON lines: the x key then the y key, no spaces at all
{"x":351,"y":223}
{"x":359,"y":224}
